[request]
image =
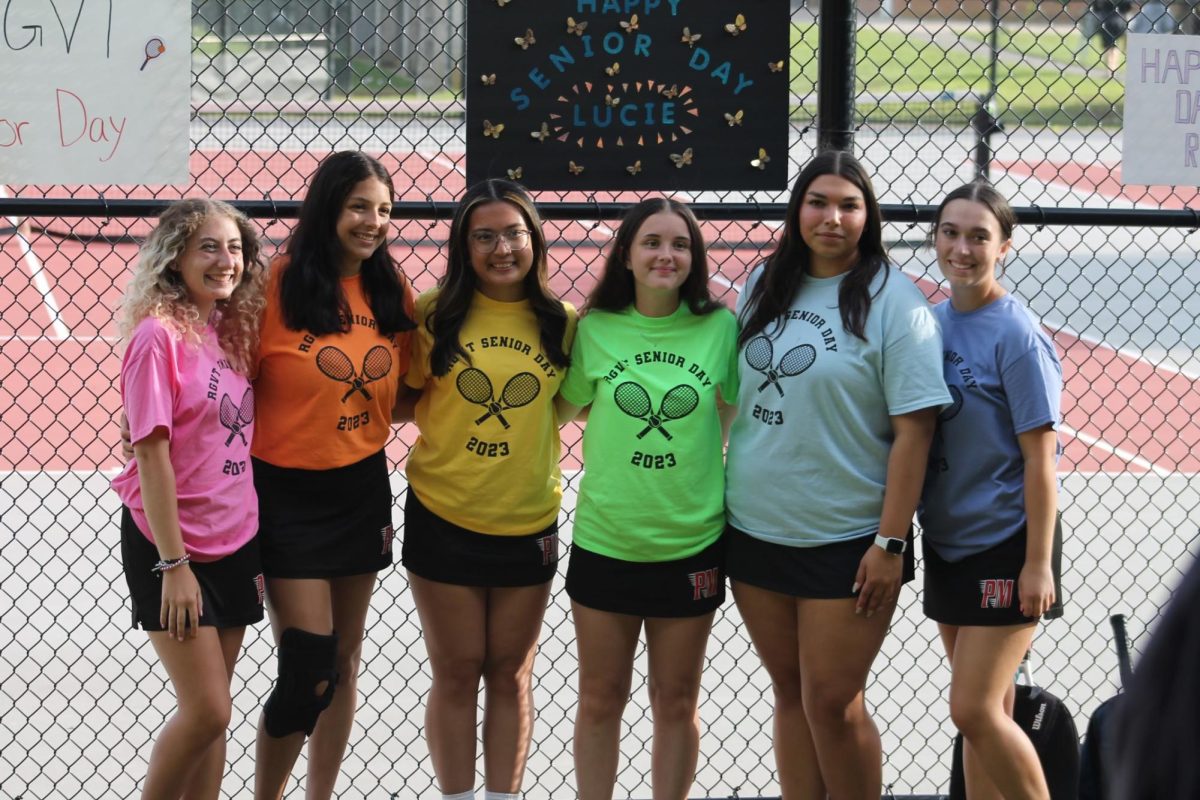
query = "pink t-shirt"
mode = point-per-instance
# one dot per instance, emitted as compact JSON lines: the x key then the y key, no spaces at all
{"x":207,"y":409}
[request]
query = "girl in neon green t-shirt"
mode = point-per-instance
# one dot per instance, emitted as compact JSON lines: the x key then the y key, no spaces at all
{"x":655,"y":359}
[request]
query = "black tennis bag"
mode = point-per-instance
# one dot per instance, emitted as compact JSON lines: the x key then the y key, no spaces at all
{"x":1048,"y":724}
{"x":1098,"y":751}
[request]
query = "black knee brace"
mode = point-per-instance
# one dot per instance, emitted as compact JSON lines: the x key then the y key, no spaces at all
{"x":305,"y":661}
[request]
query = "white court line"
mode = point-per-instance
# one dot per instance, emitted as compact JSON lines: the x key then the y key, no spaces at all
{"x":1124,"y":455}
{"x":442,"y":161}
{"x":716,"y":277}
{"x":39,"y":279}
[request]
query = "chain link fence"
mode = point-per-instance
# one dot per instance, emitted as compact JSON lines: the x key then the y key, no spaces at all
{"x":277,"y":84}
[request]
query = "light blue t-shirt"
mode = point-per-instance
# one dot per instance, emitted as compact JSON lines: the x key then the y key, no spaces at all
{"x":1005,"y":379}
{"x":808,"y":451}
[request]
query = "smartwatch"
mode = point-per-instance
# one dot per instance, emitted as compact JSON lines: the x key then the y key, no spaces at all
{"x":893,"y":546}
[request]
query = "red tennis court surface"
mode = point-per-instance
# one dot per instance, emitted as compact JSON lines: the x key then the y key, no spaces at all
{"x":57,"y":340}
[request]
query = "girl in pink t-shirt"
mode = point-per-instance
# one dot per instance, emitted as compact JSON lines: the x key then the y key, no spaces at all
{"x":190,"y":517}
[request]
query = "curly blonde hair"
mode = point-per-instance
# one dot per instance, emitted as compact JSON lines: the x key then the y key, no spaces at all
{"x":157,"y":289}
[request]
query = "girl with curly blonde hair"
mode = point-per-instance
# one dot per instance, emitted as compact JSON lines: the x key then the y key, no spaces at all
{"x":189,"y":517}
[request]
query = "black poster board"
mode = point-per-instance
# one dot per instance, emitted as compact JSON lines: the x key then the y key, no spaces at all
{"x":628,"y":94}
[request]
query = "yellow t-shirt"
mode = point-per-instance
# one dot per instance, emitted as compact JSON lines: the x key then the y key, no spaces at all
{"x":325,"y":401}
{"x":487,"y":455}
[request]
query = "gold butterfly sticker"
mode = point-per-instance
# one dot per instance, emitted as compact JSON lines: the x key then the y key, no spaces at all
{"x":574,"y":168}
{"x":631,"y":26}
{"x":634,"y":168}
{"x":488,"y":80}
{"x":491,"y":130}
{"x":515,"y":174}
{"x":734,"y":118}
{"x":736,"y":27}
{"x":670,"y":93}
{"x":576,"y":28}
{"x":690,"y":38}
{"x":775,"y":66}
{"x":524,"y":41}
{"x":541,"y":134}
{"x":615,"y":69}
{"x":683,"y":160}
{"x":611,"y":101}
{"x":762,"y":160}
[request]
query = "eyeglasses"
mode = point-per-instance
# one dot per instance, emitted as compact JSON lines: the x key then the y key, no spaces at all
{"x":486,"y":241}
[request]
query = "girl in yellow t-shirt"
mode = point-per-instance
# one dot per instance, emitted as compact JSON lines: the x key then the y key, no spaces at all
{"x":481,"y":518}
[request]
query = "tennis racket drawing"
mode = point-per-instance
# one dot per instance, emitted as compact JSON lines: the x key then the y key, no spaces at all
{"x":335,"y":364}
{"x":633,"y":399}
{"x":236,"y":418}
{"x":956,"y":404}
{"x":476,"y":387}
{"x":760,"y":354}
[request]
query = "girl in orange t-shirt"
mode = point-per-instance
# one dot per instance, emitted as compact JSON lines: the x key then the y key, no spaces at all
{"x":334,"y":348}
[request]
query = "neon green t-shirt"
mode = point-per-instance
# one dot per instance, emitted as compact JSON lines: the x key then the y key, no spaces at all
{"x":487,"y":456}
{"x":654,"y":480}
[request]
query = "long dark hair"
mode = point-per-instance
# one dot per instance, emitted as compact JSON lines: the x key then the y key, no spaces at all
{"x":458,"y":285}
{"x":310,"y":289}
{"x":616,"y":290}
{"x":987,"y":196}
{"x":791,"y":261}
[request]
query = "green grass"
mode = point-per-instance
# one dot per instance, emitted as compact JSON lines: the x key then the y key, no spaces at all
{"x":914,"y":78}
{"x":901,"y":78}
{"x":1065,"y":49}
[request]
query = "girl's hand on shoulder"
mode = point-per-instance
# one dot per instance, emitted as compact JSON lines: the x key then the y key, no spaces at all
{"x":182,"y":604}
{"x":877,"y":580}
{"x":1035,"y":588}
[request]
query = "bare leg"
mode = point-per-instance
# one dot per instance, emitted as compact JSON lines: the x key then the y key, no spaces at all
{"x":454,"y":627}
{"x":514,"y":622}
{"x":837,"y":647}
{"x":676,"y":651}
{"x":999,"y":761}
{"x":210,"y":767}
{"x":292,"y":603}
{"x":199,"y":674}
{"x":605,"y":644}
{"x":771,"y":620}
{"x":351,"y":597}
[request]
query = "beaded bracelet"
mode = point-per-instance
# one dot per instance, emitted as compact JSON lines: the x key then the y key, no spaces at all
{"x":163,"y":566}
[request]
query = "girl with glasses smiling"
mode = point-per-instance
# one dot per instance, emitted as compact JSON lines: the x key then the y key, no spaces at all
{"x":481,"y":518}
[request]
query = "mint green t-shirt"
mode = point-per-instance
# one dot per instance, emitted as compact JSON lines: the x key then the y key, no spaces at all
{"x":653,"y":483}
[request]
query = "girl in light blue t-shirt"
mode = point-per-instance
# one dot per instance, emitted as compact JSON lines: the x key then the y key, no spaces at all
{"x":840,"y":381}
{"x":992,"y":543}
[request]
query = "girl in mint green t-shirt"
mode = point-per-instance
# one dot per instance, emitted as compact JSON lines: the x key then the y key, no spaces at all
{"x":655,"y":359}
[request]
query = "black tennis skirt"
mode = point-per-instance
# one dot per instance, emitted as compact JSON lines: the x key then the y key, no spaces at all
{"x":326,"y":523}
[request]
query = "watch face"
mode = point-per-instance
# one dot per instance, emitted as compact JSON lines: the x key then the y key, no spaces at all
{"x":895,"y":546}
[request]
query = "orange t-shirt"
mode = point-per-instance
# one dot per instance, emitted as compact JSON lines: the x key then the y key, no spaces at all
{"x":326,"y":401}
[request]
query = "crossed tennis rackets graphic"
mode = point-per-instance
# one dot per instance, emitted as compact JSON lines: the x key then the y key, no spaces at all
{"x":476,"y":387}
{"x":677,"y":403}
{"x":760,"y":354}
{"x":335,"y":364}
{"x":236,"y":418}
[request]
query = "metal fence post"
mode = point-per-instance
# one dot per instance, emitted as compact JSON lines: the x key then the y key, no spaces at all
{"x":836,"y":52}
{"x":984,"y":121}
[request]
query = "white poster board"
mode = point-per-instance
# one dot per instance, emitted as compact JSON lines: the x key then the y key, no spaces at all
{"x":1162,"y":111}
{"x":95,"y":91}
